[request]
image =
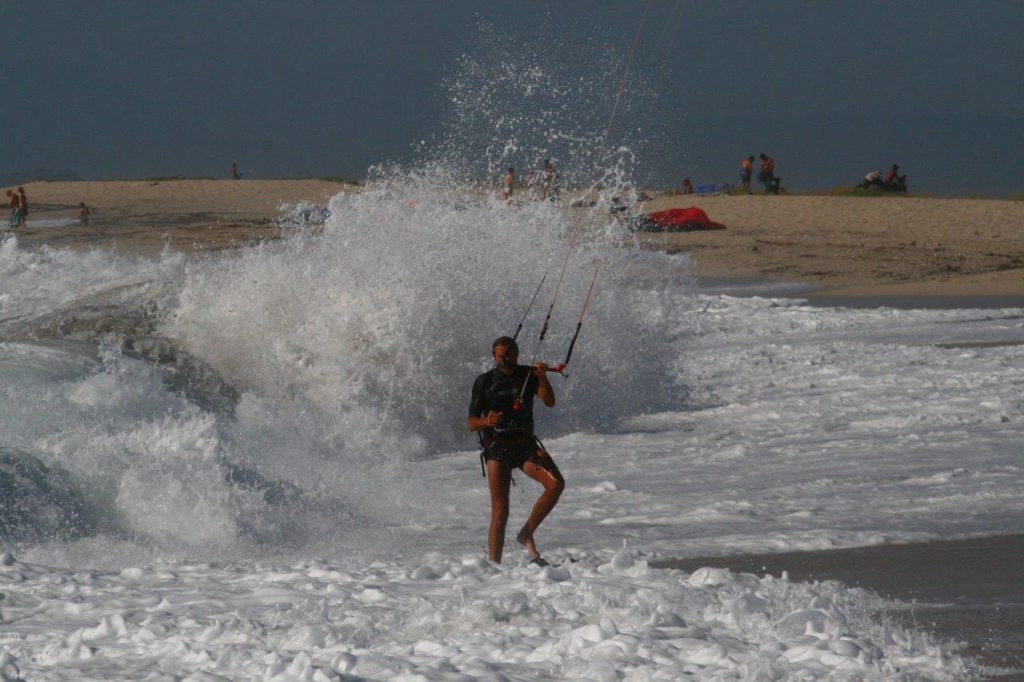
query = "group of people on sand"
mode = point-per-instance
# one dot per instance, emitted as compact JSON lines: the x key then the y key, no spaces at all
{"x":892,"y":181}
{"x":540,"y":185}
{"x":18,"y":203}
{"x":765,"y":175}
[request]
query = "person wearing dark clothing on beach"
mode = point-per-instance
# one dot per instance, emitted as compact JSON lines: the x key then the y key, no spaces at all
{"x":501,"y":412}
{"x":235,"y":175}
{"x":766,"y":176}
{"x":83,"y":213}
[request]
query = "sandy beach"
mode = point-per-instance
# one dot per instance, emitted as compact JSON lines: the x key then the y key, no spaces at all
{"x":142,"y":216}
{"x":858,"y":246}
{"x":850,"y":247}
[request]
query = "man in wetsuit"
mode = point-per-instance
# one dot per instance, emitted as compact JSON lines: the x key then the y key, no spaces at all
{"x":501,"y":410}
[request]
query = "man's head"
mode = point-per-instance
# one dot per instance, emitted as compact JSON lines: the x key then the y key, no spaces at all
{"x":505,"y":351}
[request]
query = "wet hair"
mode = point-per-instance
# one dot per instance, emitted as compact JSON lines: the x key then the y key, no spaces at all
{"x":506,"y":341}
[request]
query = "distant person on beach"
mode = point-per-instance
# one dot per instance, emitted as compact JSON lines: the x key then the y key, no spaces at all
{"x":22,"y":205}
{"x":549,"y":184}
{"x":895,"y":181}
{"x":14,"y":203}
{"x":746,"y":172}
{"x":235,"y":175}
{"x":531,"y":184}
{"x":687,"y":186}
{"x":501,"y":412}
{"x":508,"y":182}
{"x":83,"y":213}
{"x":872,"y":179}
{"x":766,"y":175}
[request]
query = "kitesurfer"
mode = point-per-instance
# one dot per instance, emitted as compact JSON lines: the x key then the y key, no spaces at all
{"x":501,"y":411}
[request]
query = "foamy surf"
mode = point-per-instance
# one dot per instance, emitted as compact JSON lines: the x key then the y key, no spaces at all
{"x":255,"y":464}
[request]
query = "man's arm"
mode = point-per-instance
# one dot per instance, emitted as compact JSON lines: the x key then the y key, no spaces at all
{"x":544,"y":390}
{"x":488,"y":421}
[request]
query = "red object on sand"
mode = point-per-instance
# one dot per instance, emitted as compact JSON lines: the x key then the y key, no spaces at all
{"x":684,"y":220}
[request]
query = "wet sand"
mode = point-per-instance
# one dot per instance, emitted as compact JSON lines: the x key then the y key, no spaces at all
{"x":142,"y":217}
{"x":969,"y":592}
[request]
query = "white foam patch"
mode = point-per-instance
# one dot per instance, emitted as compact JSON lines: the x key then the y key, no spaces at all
{"x":604,"y":616}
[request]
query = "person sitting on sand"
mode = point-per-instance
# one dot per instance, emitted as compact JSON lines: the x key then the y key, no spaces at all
{"x":83,"y":213}
{"x":872,"y":179}
{"x":23,"y":205}
{"x":687,"y":186}
{"x":895,"y":181}
{"x":501,"y":412}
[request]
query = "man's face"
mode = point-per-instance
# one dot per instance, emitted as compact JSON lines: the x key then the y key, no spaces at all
{"x":505,"y":356}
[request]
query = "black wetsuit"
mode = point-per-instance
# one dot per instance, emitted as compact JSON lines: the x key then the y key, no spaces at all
{"x":512,"y":442}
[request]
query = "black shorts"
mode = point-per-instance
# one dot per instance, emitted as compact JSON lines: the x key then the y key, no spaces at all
{"x":512,"y":455}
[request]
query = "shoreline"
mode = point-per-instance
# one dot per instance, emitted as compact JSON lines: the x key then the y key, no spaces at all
{"x":143,"y":217}
{"x":965,"y":591}
{"x":838,"y":248}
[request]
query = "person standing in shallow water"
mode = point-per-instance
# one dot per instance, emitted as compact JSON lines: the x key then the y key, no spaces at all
{"x":508,"y":442}
{"x":14,"y":203}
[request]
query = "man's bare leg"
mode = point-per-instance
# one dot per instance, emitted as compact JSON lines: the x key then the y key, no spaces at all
{"x":542,"y":469}
{"x":499,"y":477}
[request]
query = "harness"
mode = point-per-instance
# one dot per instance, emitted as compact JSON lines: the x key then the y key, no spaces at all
{"x":501,"y":442}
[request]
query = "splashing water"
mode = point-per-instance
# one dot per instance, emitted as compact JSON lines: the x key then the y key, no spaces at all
{"x":347,"y":350}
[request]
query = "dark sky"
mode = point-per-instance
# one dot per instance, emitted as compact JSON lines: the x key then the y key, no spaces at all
{"x":830,"y":89}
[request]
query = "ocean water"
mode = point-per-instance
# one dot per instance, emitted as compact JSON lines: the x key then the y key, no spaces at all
{"x":254,"y":465}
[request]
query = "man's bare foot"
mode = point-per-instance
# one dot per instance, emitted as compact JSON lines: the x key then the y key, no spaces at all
{"x":525,"y":538}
